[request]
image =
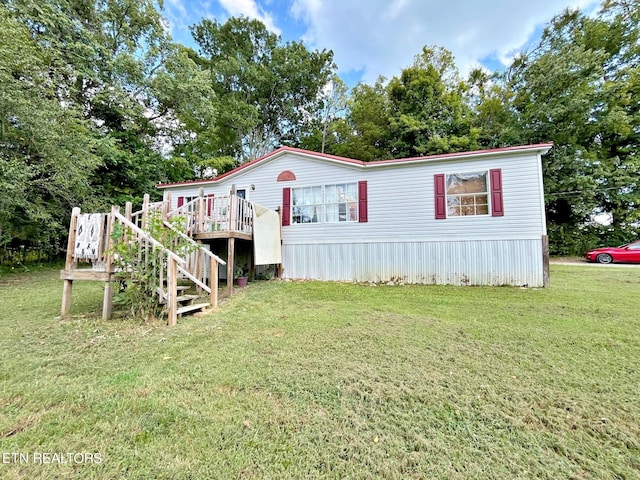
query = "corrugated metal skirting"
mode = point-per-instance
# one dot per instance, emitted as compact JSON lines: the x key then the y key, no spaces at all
{"x":488,"y":262}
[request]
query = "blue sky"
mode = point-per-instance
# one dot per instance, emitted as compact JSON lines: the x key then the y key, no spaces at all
{"x":381,"y":37}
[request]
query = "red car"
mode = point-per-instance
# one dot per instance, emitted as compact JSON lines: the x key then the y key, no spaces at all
{"x":629,"y":253}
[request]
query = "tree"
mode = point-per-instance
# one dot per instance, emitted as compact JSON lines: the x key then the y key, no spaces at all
{"x":494,"y":118}
{"x":46,"y":147}
{"x":333,"y":99}
{"x":428,"y":110}
{"x":262,"y":87}
{"x":579,"y":89}
{"x":364,"y":133}
{"x":85,"y":108}
{"x":320,"y":129}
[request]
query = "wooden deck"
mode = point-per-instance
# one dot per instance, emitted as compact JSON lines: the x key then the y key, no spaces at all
{"x":201,"y":220}
{"x":91,"y":241}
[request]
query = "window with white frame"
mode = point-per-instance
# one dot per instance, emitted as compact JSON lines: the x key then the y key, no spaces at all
{"x":325,"y":203}
{"x":467,"y":194}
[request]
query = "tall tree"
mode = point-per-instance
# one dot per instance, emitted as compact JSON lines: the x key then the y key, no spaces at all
{"x":91,"y":99}
{"x":364,"y":133}
{"x":319,"y":131}
{"x":429,"y":114}
{"x":579,"y":89}
{"x":333,"y":105}
{"x":495,"y":119}
{"x":46,"y":146}
{"x":262,"y":87}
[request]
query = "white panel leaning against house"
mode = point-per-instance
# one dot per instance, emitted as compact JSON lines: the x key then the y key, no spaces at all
{"x":470,"y":218}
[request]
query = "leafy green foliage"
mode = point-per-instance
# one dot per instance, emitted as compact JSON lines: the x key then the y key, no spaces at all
{"x":262,"y":87}
{"x":423,"y":111}
{"x":429,"y":114}
{"x":87,"y":98}
{"x":364,"y":132}
{"x":579,"y":89}
{"x":46,"y":149}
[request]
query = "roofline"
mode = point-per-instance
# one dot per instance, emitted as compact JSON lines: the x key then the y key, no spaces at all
{"x":541,"y":148}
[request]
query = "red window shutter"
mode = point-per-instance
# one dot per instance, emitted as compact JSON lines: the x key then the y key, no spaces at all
{"x":440,"y":196}
{"x":180,"y":201}
{"x":363,"y":202}
{"x":497,"y":206}
{"x":286,"y":207}
{"x":210,"y":204}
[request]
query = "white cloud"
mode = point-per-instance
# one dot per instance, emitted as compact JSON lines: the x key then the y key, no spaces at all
{"x":381,"y":37}
{"x":250,"y":9}
{"x":175,"y":15}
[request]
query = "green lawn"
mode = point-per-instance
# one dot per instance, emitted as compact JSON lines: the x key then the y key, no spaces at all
{"x":321,"y":380}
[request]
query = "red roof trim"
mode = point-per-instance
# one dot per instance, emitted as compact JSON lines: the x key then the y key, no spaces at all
{"x":351,"y":161}
{"x":475,"y":153}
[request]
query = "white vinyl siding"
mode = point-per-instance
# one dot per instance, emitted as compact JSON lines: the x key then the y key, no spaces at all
{"x":401,"y":202}
{"x":402,"y":234}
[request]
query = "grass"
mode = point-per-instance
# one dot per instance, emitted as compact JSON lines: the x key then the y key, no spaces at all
{"x":317,"y":380}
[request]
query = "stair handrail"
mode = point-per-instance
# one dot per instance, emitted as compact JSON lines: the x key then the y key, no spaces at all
{"x":146,"y":236}
{"x":191,"y":277}
{"x":150,"y":207}
{"x":174,"y":262}
{"x":183,"y":208}
{"x":194,"y":243}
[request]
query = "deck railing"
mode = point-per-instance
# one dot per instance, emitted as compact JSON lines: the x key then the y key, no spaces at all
{"x":145,"y":254}
{"x":223,"y":213}
{"x":205,"y":216}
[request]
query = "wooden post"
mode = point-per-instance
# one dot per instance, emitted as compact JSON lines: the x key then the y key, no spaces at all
{"x":107,"y":299}
{"x":201,"y":211}
{"x":67,"y":287}
{"x":233,"y":210}
{"x":166,"y":206}
{"x":128,"y":210}
{"x":71,"y":241}
{"x":230,"y":263}
{"x":172,"y":291}
{"x":546,"y":277}
{"x":213,"y":282}
{"x":198,"y":269}
{"x":145,"y":215}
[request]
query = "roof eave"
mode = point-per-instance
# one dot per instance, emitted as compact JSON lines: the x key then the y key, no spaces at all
{"x":540,"y":149}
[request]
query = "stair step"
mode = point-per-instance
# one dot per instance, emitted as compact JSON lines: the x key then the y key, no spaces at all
{"x":186,"y":298}
{"x":179,"y":288}
{"x":192,"y":307}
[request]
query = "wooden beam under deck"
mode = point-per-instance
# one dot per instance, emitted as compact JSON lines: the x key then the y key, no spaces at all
{"x":86,"y":274}
{"x":222,"y":235}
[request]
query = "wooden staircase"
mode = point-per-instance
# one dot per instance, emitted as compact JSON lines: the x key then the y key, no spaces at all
{"x":187,"y":302}
{"x":143,"y":255}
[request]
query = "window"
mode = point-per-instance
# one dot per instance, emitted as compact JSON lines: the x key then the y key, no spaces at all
{"x":467,"y":194}
{"x":325,"y":203}
{"x":185,"y":200}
